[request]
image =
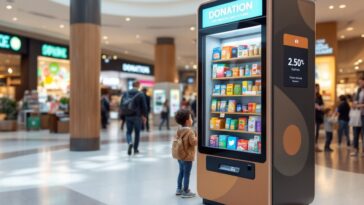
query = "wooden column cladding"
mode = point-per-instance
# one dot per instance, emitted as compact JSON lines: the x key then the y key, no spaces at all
{"x":85,"y":52}
{"x":165,"y":60}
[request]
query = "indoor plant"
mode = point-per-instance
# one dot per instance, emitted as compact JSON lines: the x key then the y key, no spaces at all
{"x":8,"y":108}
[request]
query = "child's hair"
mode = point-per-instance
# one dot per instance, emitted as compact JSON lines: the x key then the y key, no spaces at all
{"x":326,"y":111}
{"x":182,"y":116}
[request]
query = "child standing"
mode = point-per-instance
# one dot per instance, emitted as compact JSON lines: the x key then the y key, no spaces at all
{"x":329,"y":121}
{"x":184,"y":151}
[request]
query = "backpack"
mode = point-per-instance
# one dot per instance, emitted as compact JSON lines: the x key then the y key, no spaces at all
{"x":128,"y":106}
{"x":178,"y":149}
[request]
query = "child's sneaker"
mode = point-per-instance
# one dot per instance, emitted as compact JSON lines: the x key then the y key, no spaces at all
{"x":188,"y":194}
{"x":179,"y":192}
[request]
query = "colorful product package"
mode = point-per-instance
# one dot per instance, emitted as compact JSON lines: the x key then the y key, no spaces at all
{"x":228,"y":73}
{"x":220,"y":123}
{"x":231,"y":143}
{"x":213,"y":122}
{"x":255,"y":69}
{"x":217,"y":89}
{"x":237,"y":89}
{"x":252,"y":107}
{"x":245,"y":108}
{"x":251,"y":124}
{"x":218,"y":106}
{"x":244,"y":87}
{"x":258,"y":84}
{"x":214,"y":141}
{"x":238,"y":107}
{"x":234,"y":52}
{"x":223,"y":89}
{"x":250,"y":87}
{"x":258,"y":125}
{"x":243,"y":51}
{"x":220,"y":71}
{"x":230,"y":89}
{"x":214,"y":105}
{"x":253,"y":145}
{"x":234,"y":124}
{"x":258,"y":108}
{"x":232,"y":106}
{"x":223,"y":106}
{"x":222,"y":141}
{"x":227,"y":123}
{"x":243,"y":145}
{"x":235,"y":72}
{"x":226,"y":52}
{"x":216,"y":53}
{"x":214,"y":70}
{"x":242,"y":123}
{"x":247,"y":70}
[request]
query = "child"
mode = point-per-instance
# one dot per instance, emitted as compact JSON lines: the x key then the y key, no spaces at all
{"x":329,"y":121}
{"x":184,"y":151}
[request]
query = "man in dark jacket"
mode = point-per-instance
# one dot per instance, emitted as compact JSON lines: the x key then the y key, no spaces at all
{"x":147,"y":99}
{"x":134,"y":121}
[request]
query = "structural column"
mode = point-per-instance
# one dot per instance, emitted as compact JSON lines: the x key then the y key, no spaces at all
{"x":165,"y":60}
{"x":85,"y":52}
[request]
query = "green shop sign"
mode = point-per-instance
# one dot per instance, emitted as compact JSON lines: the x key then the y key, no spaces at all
{"x":54,"y":51}
{"x":10,"y":42}
{"x":230,"y":12}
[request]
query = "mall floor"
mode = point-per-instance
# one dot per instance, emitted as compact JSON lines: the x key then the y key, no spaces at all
{"x":37,"y":168}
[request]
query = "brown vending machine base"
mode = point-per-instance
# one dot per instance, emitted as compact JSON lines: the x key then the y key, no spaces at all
{"x":207,"y":202}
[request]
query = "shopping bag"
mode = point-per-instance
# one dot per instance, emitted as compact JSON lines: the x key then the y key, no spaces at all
{"x":355,"y":118}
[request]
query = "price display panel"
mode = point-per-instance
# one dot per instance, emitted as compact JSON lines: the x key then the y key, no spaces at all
{"x":295,"y":61}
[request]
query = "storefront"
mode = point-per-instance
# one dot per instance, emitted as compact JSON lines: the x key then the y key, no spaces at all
{"x":13,"y":50}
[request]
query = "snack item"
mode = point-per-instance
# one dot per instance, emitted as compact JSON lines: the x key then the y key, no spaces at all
{"x":226,"y":52}
{"x":231,"y":143}
{"x":220,"y":71}
{"x":251,"y":124}
{"x":241,"y":71}
{"x":223,"y":89}
{"x":253,"y":145}
{"x":222,"y":141}
{"x":258,"y":108}
{"x":220,"y":123}
{"x":229,"y":89}
{"x":234,"y":124}
{"x":213,"y":122}
{"x":223,"y":106}
{"x":255,"y":69}
{"x":214,"y":141}
{"x":234,"y":52}
{"x":245,"y":108}
{"x":247,"y":70}
{"x":232,"y":106}
{"x":237,"y":89}
{"x":238,"y":107}
{"x":258,"y":84}
{"x":258,"y":126}
{"x":227,"y":123}
{"x":216,"y":53}
{"x":243,"y":145}
{"x":251,"y":50}
{"x":214,"y":105}
{"x":218,"y":106}
{"x":244,"y":87}
{"x":217,"y":89}
{"x":243,"y":51}
{"x":214,"y":70}
{"x":250,"y":87}
{"x":235,"y":71}
{"x":242,"y":123}
{"x":256,"y":50}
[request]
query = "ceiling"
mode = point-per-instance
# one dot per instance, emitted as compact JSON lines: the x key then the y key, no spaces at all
{"x":150,"y":19}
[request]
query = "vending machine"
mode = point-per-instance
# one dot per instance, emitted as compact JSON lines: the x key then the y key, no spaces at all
{"x":256,"y":102}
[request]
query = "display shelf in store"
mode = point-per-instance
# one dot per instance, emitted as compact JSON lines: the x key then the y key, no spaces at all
{"x":250,"y":58}
{"x":238,"y":78}
{"x":236,"y":131}
{"x":245,"y":151}
{"x":237,"y":113}
{"x":226,"y":96}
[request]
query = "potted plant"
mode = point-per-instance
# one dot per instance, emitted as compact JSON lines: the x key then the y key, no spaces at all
{"x":64,"y":103}
{"x":9,"y":112}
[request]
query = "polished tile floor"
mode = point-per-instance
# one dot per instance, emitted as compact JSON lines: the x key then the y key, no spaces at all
{"x":37,"y":168}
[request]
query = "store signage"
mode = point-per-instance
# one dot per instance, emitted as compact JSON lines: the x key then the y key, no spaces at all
{"x":10,"y":42}
{"x":231,"y":12}
{"x":138,"y":69}
{"x":54,"y":51}
{"x":295,"y":61}
{"x":323,"y":48}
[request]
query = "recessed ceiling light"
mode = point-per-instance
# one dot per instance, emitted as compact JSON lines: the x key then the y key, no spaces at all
{"x":61,"y":26}
{"x":104,"y":56}
{"x":331,"y":7}
{"x":192,"y":28}
{"x":341,"y":70}
{"x":10,"y":70}
{"x":195,"y":67}
{"x":342,"y":37}
{"x":15,"y":19}
{"x":8,"y":7}
{"x":349,"y":28}
{"x":105,"y":37}
{"x":128,"y":19}
{"x":115,"y":57}
{"x":342,"y":6}
{"x":137,"y":36}
{"x":356,"y":67}
{"x":187,"y":67}
{"x":362,"y":35}
{"x":360,"y":60}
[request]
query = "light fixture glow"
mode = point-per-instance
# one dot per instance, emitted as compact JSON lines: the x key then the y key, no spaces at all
{"x":342,"y":6}
{"x":195,"y":67}
{"x":331,"y":7}
{"x":127,"y":19}
{"x":137,"y":36}
{"x":104,"y":56}
{"x":192,"y":28}
{"x":356,"y":67}
{"x":341,"y":70}
{"x":342,"y":37}
{"x":9,"y":7}
{"x":362,"y":35}
{"x":15,"y":19}
{"x":61,"y":26}
{"x":115,"y":57}
{"x":360,"y":60}
{"x":105,"y":37}
{"x":187,"y":67}
{"x":349,"y":28}
{"x":10,"y":70}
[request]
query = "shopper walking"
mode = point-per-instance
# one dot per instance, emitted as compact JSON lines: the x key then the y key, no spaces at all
{"x":165,"y":115}
{"x":145,"y":126}
{"x":343,"y":112}
{"x":184,"y":150}
{"x":134,"y":108}
{"x":359,"y":103}
{"x":319,"y":115}
{"x":329,"y":121}
{"x":105,"y":110}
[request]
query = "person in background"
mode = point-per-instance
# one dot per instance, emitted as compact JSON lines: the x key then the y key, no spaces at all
{"x":147,"y":98}
{"x":184,"y":150}
{"x":329,"y":121}
{"x":343,"y":110}
{"x":359,"y":103}
{"x":165,"y":115}
{"x":105,"y":109}
{"x":134,"y":107}
{"x":122,"y":116}
{"x":184,"y":103}
{"x":319,"y":115}
{"x":194,"y":110}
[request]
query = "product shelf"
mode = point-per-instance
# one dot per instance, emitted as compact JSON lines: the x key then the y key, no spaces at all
{"x":245,"y":151}
{"x":238,"y":78}
{"x":237,"y":113}
{"x":236,"y":131}
{"x":250,"y":58}
{"x":227,"y":96}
